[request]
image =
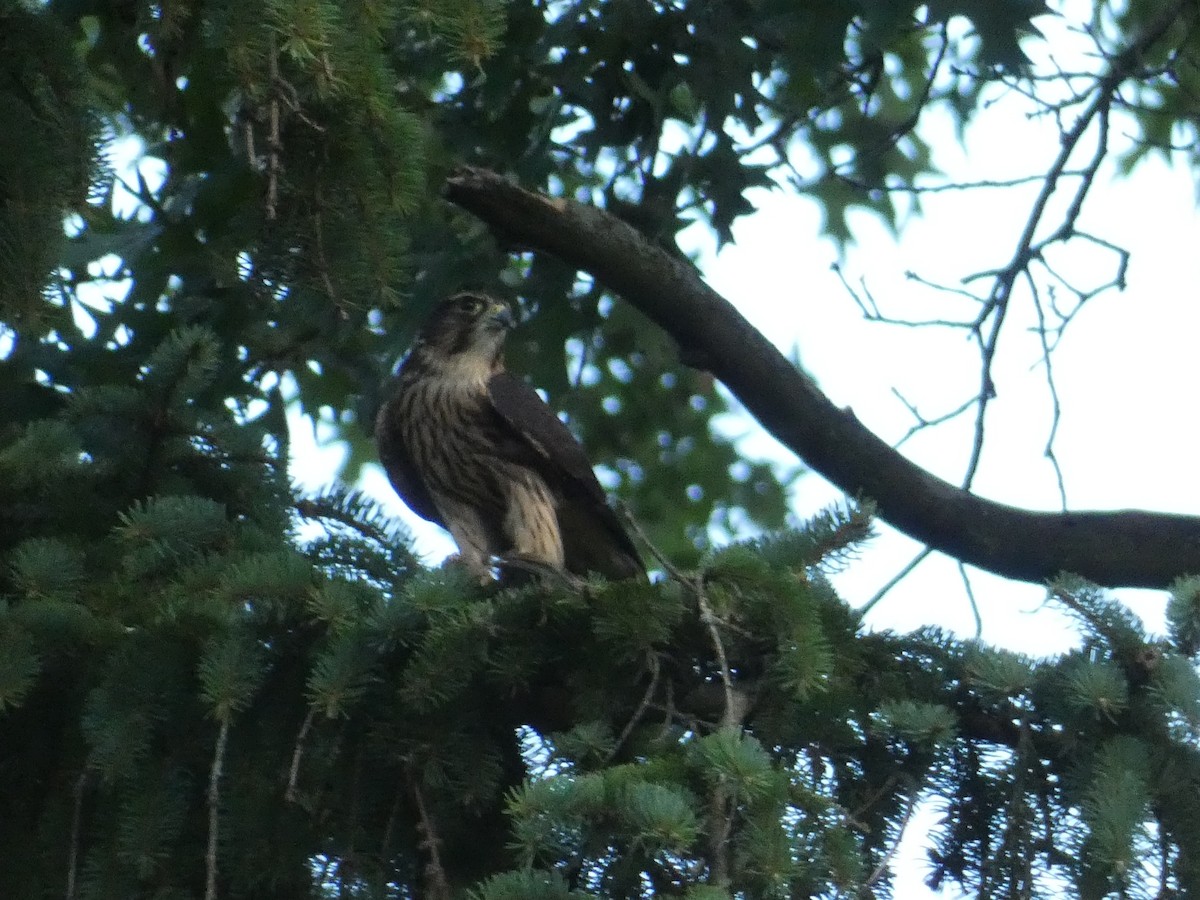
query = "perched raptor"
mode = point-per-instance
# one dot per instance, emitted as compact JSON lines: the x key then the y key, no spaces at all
{"x":474,"y":449}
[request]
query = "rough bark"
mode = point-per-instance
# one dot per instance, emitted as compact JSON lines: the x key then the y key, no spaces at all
{"x":1132,"y":548}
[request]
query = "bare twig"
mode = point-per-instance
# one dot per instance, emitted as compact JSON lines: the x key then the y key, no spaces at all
{"x":437,"y":884}
{"x":248,"y":141}
{"x":853,"y":818}
{"x":1121,"y":66}
{"x":214,"y":809}
{"x":881,"y":869}
{"x":894,"y":580}
{"x":322,"y":257}
{"x":636,"y":527}
{"x":76,"y":827}
{"x":710,"y":620}
{"x":982,"y":184}
{"x":297,"y":753}
{"x":647,"y":697}
{"x":922,"y":100}
{"x":1052,"y":387}
{"x":962,"y":572}
{"x":923,"y":423}
{"x":734,"y":711}
{"x":721,"y":810}
{"x":274,"y":143}
{"x":388,"y":829}
{"x":949,"y":289}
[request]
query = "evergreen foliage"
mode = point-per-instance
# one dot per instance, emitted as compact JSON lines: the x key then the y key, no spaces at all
{"x":215,"y":685}
{"x":189,"y":679}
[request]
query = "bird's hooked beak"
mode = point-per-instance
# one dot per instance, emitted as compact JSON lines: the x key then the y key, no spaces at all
{"x":500,"y":316}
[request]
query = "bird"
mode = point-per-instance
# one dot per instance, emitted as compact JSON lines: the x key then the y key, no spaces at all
{"x":473,"y":448}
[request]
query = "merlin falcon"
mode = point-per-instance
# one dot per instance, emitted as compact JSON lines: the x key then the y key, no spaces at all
{"x":475,"y":450}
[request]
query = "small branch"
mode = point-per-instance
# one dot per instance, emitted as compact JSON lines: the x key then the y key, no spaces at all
{"x":214,"y":804}
{"x":76,"y":827}
{"x":894,"y":580}
{"x":721,"y":818}
{"x":636,"y":527}
{"x":985,"y":184}
{"x":1052,"y":387}
{"x":708,"y":617}
{"x":735,"y":707}
{"x":923,"y":423}
{"x":721,"y":808}
{"x":274,"y":143}
{"x":890,"y":855}
{"x":437,"y":885}
{"x":386,"y":841}
{"x":950,"y":289}
{"x":322,"y":258}
{"x":854,"y":818}
{"x":1121,"y":66}
{"x":669,"y":712}
{"x":962,"y":572}
{"x":297,"y":753}
{"x":903,"y":128}
{"x":647,"y":697}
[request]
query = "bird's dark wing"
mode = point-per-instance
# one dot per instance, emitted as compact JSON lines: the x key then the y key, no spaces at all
{"x":539,"y":439}
{"x":398,"y":463}
{"x":593,"y":537}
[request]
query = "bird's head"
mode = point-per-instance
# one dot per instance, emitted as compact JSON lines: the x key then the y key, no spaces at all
{"x":466,"y":332}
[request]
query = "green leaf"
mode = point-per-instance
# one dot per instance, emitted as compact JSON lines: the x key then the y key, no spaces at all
{"x":1183,"y":615}
{"x":735,"y":760}
{"x":999,"y":671}
{"x":47,"y":569}
{"x":930,"y":723}
{"x":1116,"y":804}
{"x":1098,"y":686}
{"x":341,"y":675}
{"x":163,"y":530}
{"x":19,"y":666}
{"x":662,"y":817}
{"x":231,"y":670}
{"x":528,"y":885}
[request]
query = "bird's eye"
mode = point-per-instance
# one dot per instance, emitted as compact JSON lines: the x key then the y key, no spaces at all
{"x":472,"y":305}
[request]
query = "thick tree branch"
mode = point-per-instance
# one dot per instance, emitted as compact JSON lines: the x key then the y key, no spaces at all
{"x":1129,"y":547}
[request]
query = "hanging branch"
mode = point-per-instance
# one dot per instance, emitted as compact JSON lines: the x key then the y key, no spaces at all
{"x":274,"y":143}
{"x":987,"y":324}
{"x":437,"y":884}
{"x":652,"y":688}
{"x":720,"y":813}
{"x":214,"y":803}
{"x":76,"y":827}
{"x":297,"y":754}
{"x":735,"y":707}
{"x":882,"y":868}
